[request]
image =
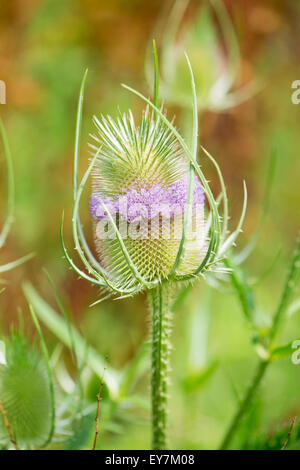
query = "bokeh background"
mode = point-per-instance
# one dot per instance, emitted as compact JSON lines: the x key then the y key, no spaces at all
{"x":45,"y":46}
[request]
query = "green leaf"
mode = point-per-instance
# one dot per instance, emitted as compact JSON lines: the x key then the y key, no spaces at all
{"x":138,"y":401}
{"x":59,"y":328}
{"x":180,"y":298}
{"x":49,"y":373}
{"x":242,"y":288}
{"x":82,"y":434}
{"x":294,"y":307}
{"x":193,"y":382}
{"x":285,"y":350}
{"x":135,"y":369}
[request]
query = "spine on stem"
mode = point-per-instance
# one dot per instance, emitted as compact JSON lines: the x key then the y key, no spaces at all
{"x":161,"y":331}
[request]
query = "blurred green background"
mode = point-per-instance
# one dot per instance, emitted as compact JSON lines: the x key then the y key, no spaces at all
{"x":45,"y":46}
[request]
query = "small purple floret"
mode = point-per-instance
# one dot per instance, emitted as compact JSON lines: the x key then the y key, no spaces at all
{"x":147,"y":203}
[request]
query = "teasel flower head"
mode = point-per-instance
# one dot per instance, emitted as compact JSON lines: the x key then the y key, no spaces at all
{"x":141,"y":177}
{"x":155,"y":217}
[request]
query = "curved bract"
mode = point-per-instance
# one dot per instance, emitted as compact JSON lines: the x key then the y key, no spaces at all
{"x":10,"y":204}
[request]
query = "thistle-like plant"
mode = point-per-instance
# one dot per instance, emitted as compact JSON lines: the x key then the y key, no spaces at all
{"x":41,"y":405}
{"x":146,"y":182}
{"x":27,"y":406}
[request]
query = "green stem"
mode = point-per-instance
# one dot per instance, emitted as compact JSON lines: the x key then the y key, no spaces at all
{"x":249,"y":309}
{"x":161,"y":330}
{"x":291,"y":283}
{"x":245,"y":403}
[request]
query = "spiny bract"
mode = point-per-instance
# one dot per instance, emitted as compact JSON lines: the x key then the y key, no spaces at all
{"x":141,"y":180}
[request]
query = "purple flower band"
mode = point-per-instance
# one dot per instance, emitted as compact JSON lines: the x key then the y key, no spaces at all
{"x":141,"y":202}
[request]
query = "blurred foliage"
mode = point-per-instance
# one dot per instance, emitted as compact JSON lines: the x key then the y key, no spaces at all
{"x":45,"y":46}
{"x":24,"y":392}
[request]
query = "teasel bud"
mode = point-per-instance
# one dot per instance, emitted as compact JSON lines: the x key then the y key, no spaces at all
{"x":25,"y":397}
{"x":210,"y":38}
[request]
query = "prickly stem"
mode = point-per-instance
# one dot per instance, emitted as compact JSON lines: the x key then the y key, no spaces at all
{"x":160,"y":301}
